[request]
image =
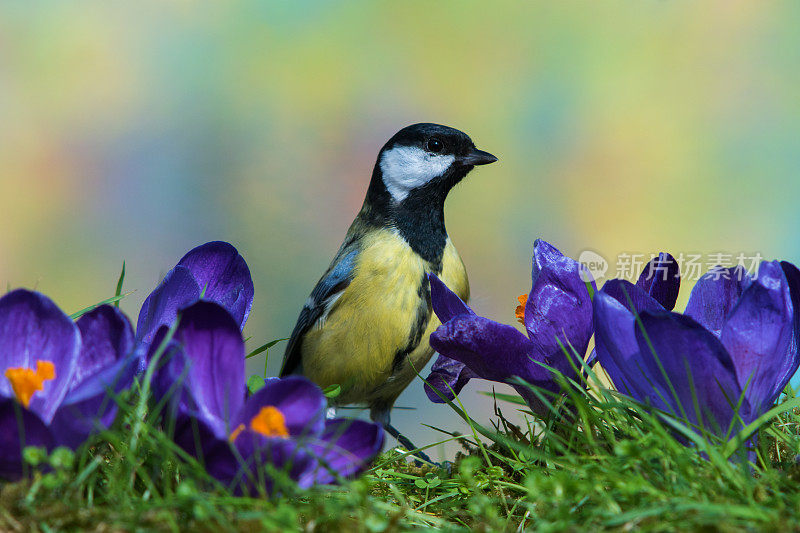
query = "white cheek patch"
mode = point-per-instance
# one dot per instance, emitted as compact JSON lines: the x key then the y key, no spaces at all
{"x":405,"y":168}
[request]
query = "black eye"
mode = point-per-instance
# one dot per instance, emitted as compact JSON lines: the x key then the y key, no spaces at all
{"x":434,"y":145}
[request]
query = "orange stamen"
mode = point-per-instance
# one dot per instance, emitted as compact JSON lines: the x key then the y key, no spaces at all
{"x":26,"y":381}
{"x":269,"y":422}
{"x":520,"y":311}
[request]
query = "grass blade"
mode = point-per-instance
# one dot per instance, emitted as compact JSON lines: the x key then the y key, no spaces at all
{"x":119,"y":284}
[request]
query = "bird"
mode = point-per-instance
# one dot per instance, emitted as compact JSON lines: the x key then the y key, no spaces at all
{"x":366,"y":324}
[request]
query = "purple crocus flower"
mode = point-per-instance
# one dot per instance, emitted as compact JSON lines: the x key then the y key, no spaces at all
{"x":57,"y":374}
{"x":215,"y":271}
{"x":557,"y":315}
{"x":660,"y":280}
{"x":736,"y":343}
{"x":282,"y":425}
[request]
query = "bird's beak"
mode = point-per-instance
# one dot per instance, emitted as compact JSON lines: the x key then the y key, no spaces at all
{"x":478,"y":157}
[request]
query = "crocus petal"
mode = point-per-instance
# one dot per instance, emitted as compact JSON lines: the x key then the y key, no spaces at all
{"x":616,"y":346}
{"x":170,"y":374}
{"x":250,"y":471}
{"x":91,"y":406}
{"x":498,"y":352}
{"x":491,"y":350}
{"x":661,"y":280}
{"x":300,"y":401}
{"x":559,"y":309}
{"x":33,"y":328}
{"x":446,"y":304}
{"x":346,"y":448}
{"x":715,"y":294}
{"x":177,"y":290}
{"x":544,"y":254}
{"x":759,"y":335}
{"x":218,"y":268}
{"x":196,"y":438}
{"x":621,"y":303}
{"x":12,"y":416}
{"x":106,"y":337}
{"x":447,"y":376}
{"x":793,"y":280}
{"x":633,"y":297}
{"x":214,"y":350}
{"x":698,"y":373}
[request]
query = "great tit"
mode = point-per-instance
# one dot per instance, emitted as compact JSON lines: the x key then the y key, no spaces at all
{"x":366,"y":324}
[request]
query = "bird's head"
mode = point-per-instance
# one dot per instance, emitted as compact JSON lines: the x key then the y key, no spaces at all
{"x":427,"y":159}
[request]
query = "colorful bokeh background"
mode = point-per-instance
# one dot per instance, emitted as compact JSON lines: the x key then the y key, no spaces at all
{"x":137,"y":131}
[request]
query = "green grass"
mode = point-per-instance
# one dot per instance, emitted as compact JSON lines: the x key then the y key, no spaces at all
{"x":600,"y":462}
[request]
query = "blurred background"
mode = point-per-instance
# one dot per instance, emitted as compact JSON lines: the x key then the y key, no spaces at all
{"x":135,"y":132}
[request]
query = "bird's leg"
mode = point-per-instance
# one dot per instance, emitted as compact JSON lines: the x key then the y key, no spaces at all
{"x":408,"y":445}
{"x":380,"y":413}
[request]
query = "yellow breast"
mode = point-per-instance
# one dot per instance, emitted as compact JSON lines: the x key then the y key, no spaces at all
{"x":372,"y":320}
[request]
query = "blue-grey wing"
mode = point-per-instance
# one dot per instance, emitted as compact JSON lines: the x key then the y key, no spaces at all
{"x":328,"y":289}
